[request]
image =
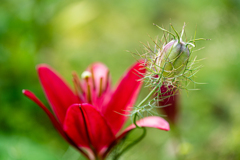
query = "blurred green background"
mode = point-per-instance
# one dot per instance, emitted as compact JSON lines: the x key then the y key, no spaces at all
{"x":71,"y":34}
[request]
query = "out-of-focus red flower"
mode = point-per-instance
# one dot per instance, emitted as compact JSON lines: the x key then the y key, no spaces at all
{"x":170,"y":103}
{"x":91,"y":118}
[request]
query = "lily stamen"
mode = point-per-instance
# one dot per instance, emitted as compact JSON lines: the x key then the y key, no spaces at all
{"x":100,"y":87}
{"x":85,"y":76}
{"x":77,"y":85}
{"x":93,"y":79}
{"x":89,"y":98}
{"x":107,"y":80}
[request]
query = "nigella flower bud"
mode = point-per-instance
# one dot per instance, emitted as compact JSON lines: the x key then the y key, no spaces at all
{"x":174,"y":57}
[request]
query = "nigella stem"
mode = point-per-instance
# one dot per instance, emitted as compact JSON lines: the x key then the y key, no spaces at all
{"x":148,"y":96}
{"x":132,"y":144}
{"x":135,"y":120}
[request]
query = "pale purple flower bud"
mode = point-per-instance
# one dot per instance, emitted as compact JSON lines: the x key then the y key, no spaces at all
{"x":174,"y":57}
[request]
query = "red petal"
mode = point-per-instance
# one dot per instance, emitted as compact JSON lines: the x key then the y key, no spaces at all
{"x":59,"y":95}
{"x":123,"y":98}
{"x":171,"y":109}
{"x":85,"y":125}
{"x":152,"y":122}
{"x":55,"y":123}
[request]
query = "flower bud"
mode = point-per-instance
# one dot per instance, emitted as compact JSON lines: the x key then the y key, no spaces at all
{"x":174,"y":58}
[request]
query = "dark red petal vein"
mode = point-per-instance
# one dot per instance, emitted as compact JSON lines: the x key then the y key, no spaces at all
{"x":85,"y":125}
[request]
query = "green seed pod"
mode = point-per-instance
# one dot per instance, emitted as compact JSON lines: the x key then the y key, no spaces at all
{"x":174,"y":57}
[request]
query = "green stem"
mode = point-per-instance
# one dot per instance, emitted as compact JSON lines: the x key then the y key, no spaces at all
{"x":132,"y":144}
{"x":147,"y":97}
{"x":135,"y":120}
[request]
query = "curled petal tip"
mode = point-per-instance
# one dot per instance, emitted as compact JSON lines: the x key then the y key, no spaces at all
{"x":42,"y":66}
{"x":27,"y":92}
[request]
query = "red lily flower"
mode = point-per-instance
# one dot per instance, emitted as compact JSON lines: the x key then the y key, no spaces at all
{"x":171,"y":108}
{"x":91,"y":118}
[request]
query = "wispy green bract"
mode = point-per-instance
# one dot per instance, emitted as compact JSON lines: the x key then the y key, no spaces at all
{"x":164,"y":68}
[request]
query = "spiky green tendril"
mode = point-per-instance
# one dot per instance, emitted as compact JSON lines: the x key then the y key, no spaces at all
{"x":157,"y":75}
